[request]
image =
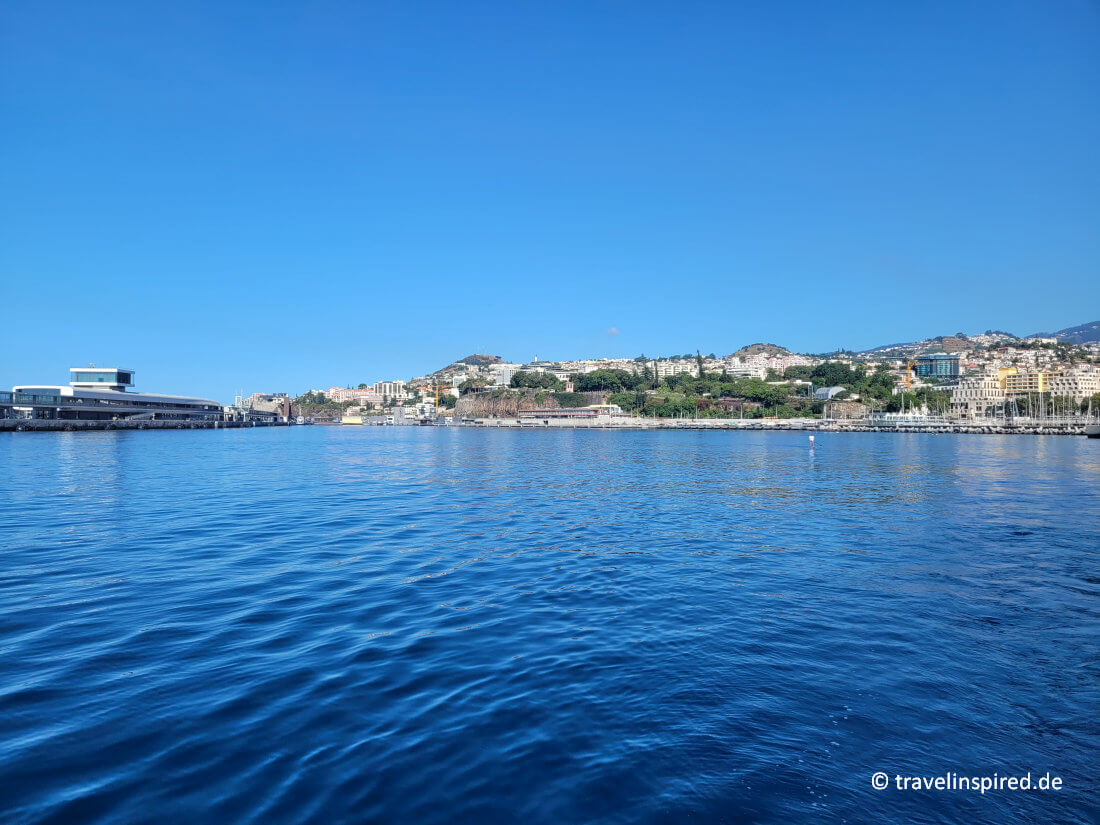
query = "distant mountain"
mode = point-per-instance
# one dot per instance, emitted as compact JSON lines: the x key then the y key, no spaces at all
{"x":475,"y":360}
{"x":950,"y":343}
{"x":760,"y":349}
{"x":941,"y":343}
{"x":1083,"y":334}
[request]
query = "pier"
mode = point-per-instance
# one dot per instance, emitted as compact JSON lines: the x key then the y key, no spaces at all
{"x":944,"y":426}
{"x":41,"y":425}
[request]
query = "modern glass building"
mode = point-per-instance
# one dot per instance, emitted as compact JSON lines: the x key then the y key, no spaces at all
{"x":938,"y":365}
{"x":100,"y":394}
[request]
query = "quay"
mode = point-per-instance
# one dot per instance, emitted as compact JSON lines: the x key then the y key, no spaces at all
{"x":41,"y":425}
{"x":808,"y":424}
{"x":991,"y":427}
{"x":611,"y":417}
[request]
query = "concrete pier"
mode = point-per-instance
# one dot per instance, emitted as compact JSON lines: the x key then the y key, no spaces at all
{"x":41,"y":425}
{"x":808,"y":424}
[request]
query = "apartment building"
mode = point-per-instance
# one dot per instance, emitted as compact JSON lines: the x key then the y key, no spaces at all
{"x":1079,"y":383}
{"x":665,"y":369}
{"x":391,"y":390}
{"x":978,"y":395}
{"x":1017,"y":381}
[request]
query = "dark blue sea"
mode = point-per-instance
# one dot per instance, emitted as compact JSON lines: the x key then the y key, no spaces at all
{"x":439,"y":625}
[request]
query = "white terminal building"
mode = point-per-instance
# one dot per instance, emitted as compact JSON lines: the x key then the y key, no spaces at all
{"x":104,"y":394}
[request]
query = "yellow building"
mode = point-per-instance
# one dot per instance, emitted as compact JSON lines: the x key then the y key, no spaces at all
{"x":1016,"y":381}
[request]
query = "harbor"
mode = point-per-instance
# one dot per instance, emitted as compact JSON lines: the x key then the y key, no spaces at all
{"x":45,"y":425}
{"x":992,"y":427}
{"x":609,"y":417}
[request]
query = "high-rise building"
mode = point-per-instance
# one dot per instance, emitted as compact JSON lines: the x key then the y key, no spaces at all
{"x":938,"y":365}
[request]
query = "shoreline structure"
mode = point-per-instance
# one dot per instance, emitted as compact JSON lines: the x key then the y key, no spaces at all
{"x":808,"y":425}
{"x":102,"y":398}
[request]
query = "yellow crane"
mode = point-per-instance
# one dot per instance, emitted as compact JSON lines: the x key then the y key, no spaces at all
{"x":435,"y":389}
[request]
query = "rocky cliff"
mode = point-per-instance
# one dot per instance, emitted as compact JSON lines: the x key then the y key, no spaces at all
{"x":506,"y":403}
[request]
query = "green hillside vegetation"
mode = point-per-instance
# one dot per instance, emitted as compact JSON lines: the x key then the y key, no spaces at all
{"x":719,"y":395}
{"x":315,"y":404}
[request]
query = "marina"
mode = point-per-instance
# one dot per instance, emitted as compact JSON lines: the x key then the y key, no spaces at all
{"x":1059,"y":427}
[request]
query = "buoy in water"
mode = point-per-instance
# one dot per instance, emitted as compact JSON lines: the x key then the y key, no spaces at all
{"x":811,"y":441}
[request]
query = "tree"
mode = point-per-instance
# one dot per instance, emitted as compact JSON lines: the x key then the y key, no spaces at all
{"x":570,"y":399}
{"x":835,"y":374}
{"x":536,"y":381}
{"x":607,"y":381}
{"x":664,"y":407}
{"x":472,"y":384}
{"x":627,"y":401}
{"x":313,"y":399}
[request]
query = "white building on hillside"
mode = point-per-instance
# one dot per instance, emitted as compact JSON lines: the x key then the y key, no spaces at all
{"x":979,"y":395}
{"x":1079,"y":383}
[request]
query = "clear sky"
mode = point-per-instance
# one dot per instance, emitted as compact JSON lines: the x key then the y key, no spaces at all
{"x":278,"y":196}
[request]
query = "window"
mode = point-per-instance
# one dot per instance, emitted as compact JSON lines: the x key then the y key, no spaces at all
{"x":104,"y":377}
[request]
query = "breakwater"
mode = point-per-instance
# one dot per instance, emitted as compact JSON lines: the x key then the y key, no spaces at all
{"x":807,"y":424}
{"x":62,"y":425}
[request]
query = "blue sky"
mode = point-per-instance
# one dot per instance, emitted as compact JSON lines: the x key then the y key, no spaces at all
{"x":260,"y":196}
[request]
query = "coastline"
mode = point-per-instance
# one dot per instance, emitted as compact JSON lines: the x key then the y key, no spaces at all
{"x":41,"y":425}
{"x":725,"y":425}
{"x":806,"y":425}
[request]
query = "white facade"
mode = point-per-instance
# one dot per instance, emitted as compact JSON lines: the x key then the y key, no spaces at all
{"x":1079,"y":383}
{"x":392,"y":390}
{"x":977,"y":396}
{"x":669,"y":368}
{"x":746,"y":371}
{"x":96,"y":394}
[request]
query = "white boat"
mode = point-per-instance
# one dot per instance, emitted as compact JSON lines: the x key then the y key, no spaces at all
{"x":1092,"y":430}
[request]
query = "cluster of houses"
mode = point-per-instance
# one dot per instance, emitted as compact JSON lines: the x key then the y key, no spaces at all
{"x":983,"y":376}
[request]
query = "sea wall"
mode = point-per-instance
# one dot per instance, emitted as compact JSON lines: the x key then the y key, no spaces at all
{"x":61,"y":425}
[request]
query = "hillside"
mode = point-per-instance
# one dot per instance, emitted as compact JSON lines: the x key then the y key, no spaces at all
{"x":949,"y":343}
{"x":941,"y":343}
{"x":761,"y":349}
{"x":1081,"y":334}
{"x":475,"y":360}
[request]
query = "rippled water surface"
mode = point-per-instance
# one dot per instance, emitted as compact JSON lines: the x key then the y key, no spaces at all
{"x":432,"y":625}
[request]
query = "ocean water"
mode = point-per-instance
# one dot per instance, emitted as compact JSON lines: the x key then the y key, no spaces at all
{"x":436,"y":625}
